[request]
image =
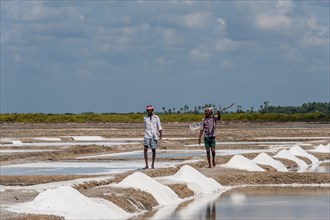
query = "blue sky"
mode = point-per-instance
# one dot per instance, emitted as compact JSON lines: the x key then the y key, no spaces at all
{"x":119,"y":56}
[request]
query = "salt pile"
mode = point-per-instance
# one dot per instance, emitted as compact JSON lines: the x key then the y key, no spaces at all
{"x":285,"y":154}
{"x":163,"y":194}
{"x":242,"y":163}
{"x":17,"y":142}
{"x":265,"y":159}
{"x":321,"y":149}
{"x":68,"y":202}
{"x":298,"y":151}
{"x":71,"y":204}
{"x":195,"y":181}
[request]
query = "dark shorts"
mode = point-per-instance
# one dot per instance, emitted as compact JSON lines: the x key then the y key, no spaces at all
{"x":209,"y":142}
{"x":150,"y":142}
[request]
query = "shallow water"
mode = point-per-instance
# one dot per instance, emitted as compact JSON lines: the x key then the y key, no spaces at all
{"x":74,"y":168}
{"x":321,"y":168}
{"x":64,"y":171}
{"x":254,"y":203}
{"x":94,"y":168}
{"x":170,"y":154}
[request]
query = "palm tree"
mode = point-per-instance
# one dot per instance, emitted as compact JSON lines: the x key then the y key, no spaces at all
{"x":186,"y":107}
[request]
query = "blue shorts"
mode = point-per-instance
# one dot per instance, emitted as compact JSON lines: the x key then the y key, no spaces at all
{"x":150,"y":142}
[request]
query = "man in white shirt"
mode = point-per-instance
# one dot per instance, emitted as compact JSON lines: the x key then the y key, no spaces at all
{"x":152,"y":133}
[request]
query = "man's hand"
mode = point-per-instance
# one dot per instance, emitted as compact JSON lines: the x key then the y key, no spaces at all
{"x":199,"y":141}
{"x":219,"y":114}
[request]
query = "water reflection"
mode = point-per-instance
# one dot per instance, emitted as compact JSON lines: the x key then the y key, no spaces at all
{"x":320,"y":167}
{"x":254,"y":203}
{"x":202,"y":207}
{"x":211,"y":211}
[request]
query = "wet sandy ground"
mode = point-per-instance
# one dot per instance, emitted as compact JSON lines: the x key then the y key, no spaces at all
{"x":308,"y":133}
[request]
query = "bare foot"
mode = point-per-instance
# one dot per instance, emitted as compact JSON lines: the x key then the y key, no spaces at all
{"x":214,"y":163}
{"x":209,"y":167}
{"x":152,"y":167}
{"x":146,"y":168}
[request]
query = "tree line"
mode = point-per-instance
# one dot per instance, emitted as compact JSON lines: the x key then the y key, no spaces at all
{"x":310,"y":107}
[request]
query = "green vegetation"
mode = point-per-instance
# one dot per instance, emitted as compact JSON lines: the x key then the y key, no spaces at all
{"x":309,"y":112}
{"x":138,"y":117}
{"x":73,"y":118}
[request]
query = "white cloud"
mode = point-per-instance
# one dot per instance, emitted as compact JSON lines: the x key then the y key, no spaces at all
{"x":158,"y":64}
{"x":273,"y":22}
{"x":221,"y":24}
{"x":196,"y":20}
{"x":275,"y":18}
{"x":225,"y":45}
{"x":313,"y":41}
{"x":188,"y":2}
{"x":169,"y":35}
{"x":316,"y":29}
{"x":200,"y":54}
{"x":38,"y":12}
{"x":284,"y":6}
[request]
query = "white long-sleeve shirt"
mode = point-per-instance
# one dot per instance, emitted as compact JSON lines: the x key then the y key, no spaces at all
{"x":152,"y":127}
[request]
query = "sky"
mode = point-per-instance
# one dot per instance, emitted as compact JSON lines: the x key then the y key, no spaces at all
{"x":119,"y":56}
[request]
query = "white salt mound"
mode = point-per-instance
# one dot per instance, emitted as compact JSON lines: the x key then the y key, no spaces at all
{"x":242,"y":163}
{"x":298,"y":151}
{"x":68,"y":202}
{"x":285,"y":154}
{"x":163,"y":194}
{"x":17,"y":142}
{"x":322,"y":149}
{"x":196,"y":181}
{"x":265,"y":159}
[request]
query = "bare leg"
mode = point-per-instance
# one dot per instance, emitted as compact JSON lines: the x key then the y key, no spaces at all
{"x":153,"y":158}
{"x":146,"y":157}
{"x":208,"y":156}
{"x":213,"y":156}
